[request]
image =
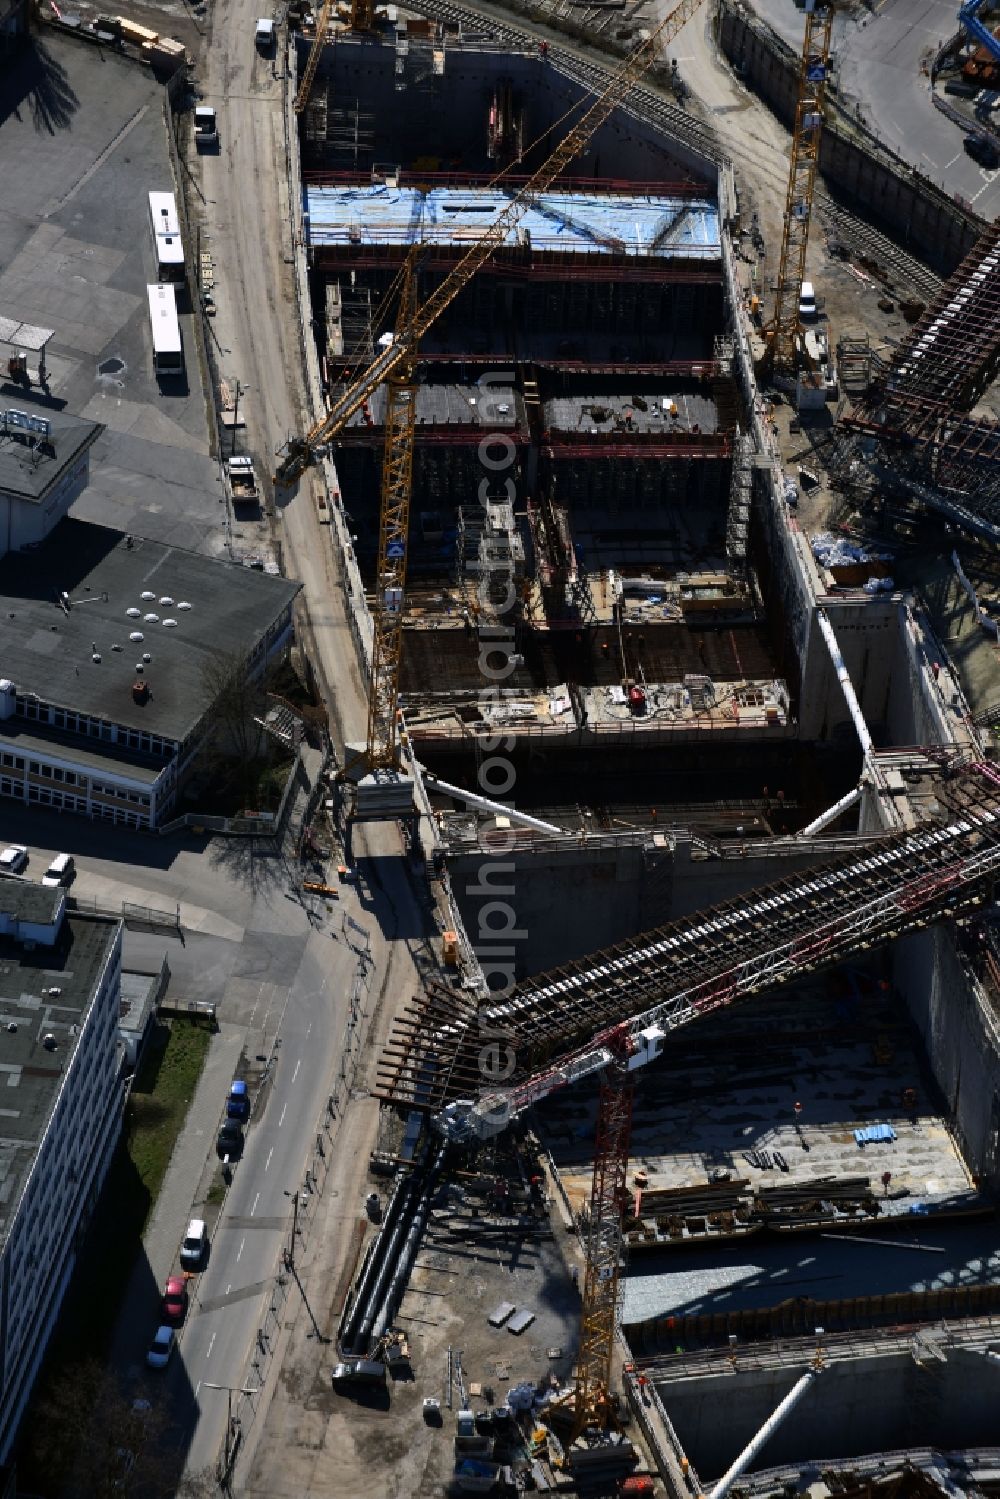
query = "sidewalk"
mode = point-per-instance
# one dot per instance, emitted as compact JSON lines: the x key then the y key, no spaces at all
{"x":166,"y":1226}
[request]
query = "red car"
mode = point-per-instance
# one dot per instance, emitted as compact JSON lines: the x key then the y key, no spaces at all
{"x":175,"y":1300}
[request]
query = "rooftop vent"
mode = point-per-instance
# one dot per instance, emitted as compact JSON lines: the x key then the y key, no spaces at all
{"x":169,"y":624}
{"x":133,"y":613}
{"x":147,"y":593}
{"x":137,"y":635}
{"x":151,"y":619}
{"x":183,"y":604}
{"x":166,"y":601}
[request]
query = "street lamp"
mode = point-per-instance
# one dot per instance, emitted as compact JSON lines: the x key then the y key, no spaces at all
{"x":289,"y":1253}
{"x":231,"y":1390}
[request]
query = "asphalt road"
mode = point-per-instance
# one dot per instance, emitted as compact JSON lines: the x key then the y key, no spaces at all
{"x":241,"y":200}
{"x":879,"y":58}
{"x":234,"y":1290}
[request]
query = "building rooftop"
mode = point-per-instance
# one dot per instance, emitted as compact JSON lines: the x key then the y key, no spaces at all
{"x":218,"y":608}
{"x":31,"y":460}
{"x":585,"y":224}
{"x":29,"y":901}
{"x":32,"y":1073}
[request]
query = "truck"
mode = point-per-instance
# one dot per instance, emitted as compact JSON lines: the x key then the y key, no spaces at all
{"x":242,"y":481}
{"x":206,"y":130}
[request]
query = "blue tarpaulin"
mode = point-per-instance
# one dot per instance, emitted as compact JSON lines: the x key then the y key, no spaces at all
{"x":875,"y":1134}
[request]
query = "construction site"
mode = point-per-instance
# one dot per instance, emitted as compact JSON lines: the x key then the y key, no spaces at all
{"x":663,"y":472}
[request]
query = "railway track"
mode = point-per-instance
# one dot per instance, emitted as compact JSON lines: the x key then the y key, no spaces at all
{"x":557,"y":1024}
{"x":880,"y":249}
{"x":643,"y":104}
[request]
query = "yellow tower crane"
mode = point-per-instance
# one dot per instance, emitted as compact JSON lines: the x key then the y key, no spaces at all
{"x":785,"y":326}
{"x":394,"y":530}
{"x":394,"y":364}
{"x":362,"y":18}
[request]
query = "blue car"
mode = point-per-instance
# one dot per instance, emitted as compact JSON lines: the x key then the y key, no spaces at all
{"x":238,"y":1102}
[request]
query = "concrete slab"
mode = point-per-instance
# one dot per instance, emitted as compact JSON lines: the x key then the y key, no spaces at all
{"x":840,"y":1047}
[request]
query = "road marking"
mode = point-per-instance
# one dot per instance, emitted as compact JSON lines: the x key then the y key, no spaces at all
{"x":211,"y":1345}
{"x":240,"y":1250}
{"x":295,"y":1074}
{"x":953,"y":160}
{"x":255,"y":1202}
{"x":270,"y":1153}
{"x":282,"y":1119}
{"x":986,"y":184}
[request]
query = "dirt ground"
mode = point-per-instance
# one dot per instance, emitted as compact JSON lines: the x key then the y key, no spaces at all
{"x":473,"y":1257}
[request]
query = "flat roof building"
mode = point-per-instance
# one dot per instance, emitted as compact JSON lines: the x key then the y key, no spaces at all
{"x":44,"y":465}
{"x":60,"y":979}
{"x":107,"y":645}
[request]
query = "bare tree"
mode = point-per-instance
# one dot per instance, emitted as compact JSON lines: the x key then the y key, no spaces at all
{"x":235,"y":700}
{"x":91,"y":1436}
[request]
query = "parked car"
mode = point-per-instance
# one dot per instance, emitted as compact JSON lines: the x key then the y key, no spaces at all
{"x":161,"y":1348}
{"x":60,"y":871}
{"x":14,"y":858}
{"x":238,"y":1102}
{"x":359,"y":1371}
{"x":983,"y":151}
{"x":173,"y":1307}
{"x":194,"y":1244}
{"x":230,"y":1141}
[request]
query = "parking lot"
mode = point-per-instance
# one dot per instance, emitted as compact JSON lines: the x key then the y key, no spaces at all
{"x":82,"y":144}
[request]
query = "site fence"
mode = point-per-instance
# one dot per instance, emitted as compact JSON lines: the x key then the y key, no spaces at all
{"x":127,"y":911}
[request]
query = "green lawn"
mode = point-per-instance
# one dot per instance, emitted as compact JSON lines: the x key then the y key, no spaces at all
{"x":163,"y":1089}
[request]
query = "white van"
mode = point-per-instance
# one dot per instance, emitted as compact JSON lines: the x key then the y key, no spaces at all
{"x":60,"y":871}
{"x":807,"y":303}
{"x":194,"y":1244}
{"x":264,"y":35}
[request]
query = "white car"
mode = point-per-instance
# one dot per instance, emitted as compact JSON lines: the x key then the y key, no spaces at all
{"x":14,"y":858}
{"x":161,"y":1347}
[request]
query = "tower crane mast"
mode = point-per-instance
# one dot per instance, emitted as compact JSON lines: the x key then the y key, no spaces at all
{"x":806,"y":132}
{"x":394,"y":529}
{"x":608,"y":1196}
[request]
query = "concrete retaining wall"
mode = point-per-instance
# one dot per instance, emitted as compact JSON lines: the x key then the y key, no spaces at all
{"x":950,"y":1404}
{"x":961,"y":1034}
{"x":618,"y":891}
{"x":855,"y":165}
